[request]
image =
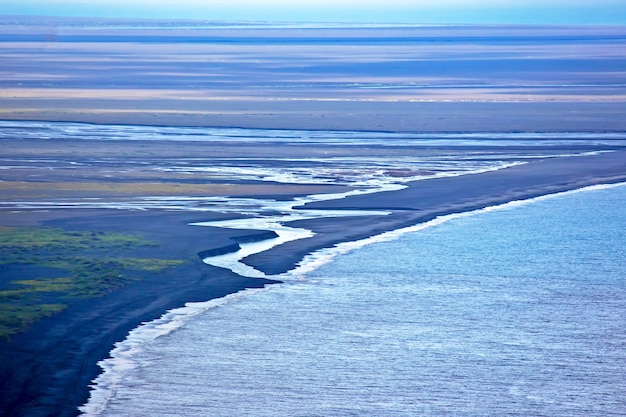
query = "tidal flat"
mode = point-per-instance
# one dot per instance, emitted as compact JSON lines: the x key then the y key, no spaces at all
{"x":218,"y":124}
{"x":411,"y":78}
{"x":87,"y":259}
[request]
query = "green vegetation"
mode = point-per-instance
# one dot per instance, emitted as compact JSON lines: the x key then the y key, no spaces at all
{"x":75,"y":265}
{"x":13,"y":320}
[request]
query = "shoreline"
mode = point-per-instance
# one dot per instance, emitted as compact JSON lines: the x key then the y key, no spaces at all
{"x":104,"y":385}
{"x":56,"y":360}
{"x":618,"y":130}
{"x":53,"y":363}
{"x":415,"y":80}
{"x":323,"y":256}
{"x":425,"y":200}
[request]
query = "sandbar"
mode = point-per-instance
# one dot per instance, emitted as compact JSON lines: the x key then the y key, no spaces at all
{"x":425,"y":80}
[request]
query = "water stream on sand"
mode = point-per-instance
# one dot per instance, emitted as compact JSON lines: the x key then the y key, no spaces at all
{"x":517,"y":311}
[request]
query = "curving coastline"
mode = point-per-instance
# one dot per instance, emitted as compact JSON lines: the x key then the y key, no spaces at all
{"x":122,"y":356}
{"x":326,"y":107}
{"x":53,"y":363}
{"x":423,"y":201}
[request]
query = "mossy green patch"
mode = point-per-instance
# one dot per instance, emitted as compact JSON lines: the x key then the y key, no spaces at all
{"x":90,"y":264}
{"x":12,"y":318}
{"x":33,"y":241}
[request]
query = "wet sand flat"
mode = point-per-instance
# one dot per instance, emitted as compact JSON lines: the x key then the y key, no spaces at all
{"x":78,"y":187}
{"x":464,"y":78}
{"x":429,"y":80}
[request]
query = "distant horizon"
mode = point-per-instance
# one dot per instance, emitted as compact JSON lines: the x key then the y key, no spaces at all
{"x":304,"y":23}
{"x":398,"y":12}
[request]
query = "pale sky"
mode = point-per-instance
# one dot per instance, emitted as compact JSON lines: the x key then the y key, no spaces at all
{"x":382,"y":11}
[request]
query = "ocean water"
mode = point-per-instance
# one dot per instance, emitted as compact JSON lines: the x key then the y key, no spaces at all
{"x":516,"y":311}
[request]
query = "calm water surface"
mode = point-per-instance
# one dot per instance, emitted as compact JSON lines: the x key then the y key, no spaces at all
{"x":514,"y":312}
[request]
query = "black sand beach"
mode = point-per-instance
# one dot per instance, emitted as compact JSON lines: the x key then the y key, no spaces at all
{"x":51,"y":365}
{"x":46,"y":370}
{"x":425,"y":200}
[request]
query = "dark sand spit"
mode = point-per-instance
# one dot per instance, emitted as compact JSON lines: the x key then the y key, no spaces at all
{"x":420,"y":79}
{"x":424,"y":200}
{"x":46,"y":370}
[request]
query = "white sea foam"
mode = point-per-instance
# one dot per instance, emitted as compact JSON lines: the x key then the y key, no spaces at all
{"x":267,"y":214}
{"x":316,"y":259}
{"x":113,"y":369}
{"x":122,"y":356}
{"x":233,"y":262}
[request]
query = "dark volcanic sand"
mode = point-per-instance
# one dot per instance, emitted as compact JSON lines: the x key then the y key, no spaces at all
{"x":46,"y":370}
{"x":473,"y":79}
{"x":424,"y":200}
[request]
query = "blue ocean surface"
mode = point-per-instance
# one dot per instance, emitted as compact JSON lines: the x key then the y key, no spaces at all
{"x":519,"y":311}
